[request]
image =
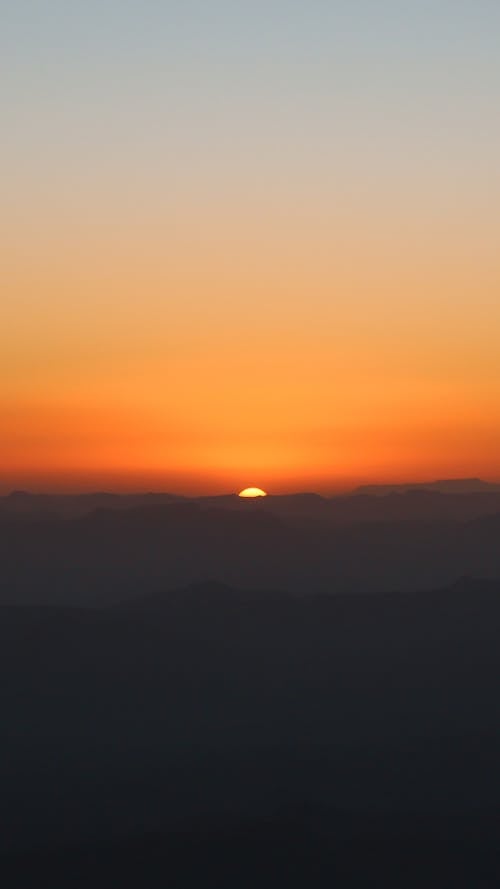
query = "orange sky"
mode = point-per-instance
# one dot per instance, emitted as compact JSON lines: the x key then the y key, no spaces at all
{"x":288,"y":279}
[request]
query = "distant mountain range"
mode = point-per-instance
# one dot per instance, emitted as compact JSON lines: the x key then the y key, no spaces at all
{"x":417,"y":540}
{"x":356,"y":505}
{"x":444,"y":486}
{"x":24,"y":504}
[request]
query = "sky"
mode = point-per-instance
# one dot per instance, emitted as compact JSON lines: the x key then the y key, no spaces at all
{"x":248,"y":243}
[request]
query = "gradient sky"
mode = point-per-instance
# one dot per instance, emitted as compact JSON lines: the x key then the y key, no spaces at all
{"x":248,"y":243}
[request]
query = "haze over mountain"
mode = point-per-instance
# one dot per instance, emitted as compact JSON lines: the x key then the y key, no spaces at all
{"x":302,"y":543}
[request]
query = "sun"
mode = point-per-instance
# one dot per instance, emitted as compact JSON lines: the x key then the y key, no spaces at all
{"x":252,"y":492}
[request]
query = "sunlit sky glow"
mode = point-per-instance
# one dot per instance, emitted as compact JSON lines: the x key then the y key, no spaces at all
{"x":248,"y":241}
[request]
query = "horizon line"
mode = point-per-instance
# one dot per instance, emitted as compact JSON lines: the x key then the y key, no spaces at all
{"x":124,"y":492}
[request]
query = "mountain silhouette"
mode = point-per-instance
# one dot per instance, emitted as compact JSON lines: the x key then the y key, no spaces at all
{"x":442,"y":486}
{"x":297,"y":691}
{"x":106,"y":555}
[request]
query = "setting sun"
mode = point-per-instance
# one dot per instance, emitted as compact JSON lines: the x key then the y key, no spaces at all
{"x":260,"y":297}
{"x":252,"y":492}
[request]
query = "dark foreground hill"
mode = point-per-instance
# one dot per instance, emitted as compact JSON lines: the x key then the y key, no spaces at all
{"x":210,"y":735}
{"x":294,"y":849}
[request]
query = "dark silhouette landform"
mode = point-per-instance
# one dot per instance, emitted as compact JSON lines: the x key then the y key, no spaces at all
{"x":295,"y":691}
